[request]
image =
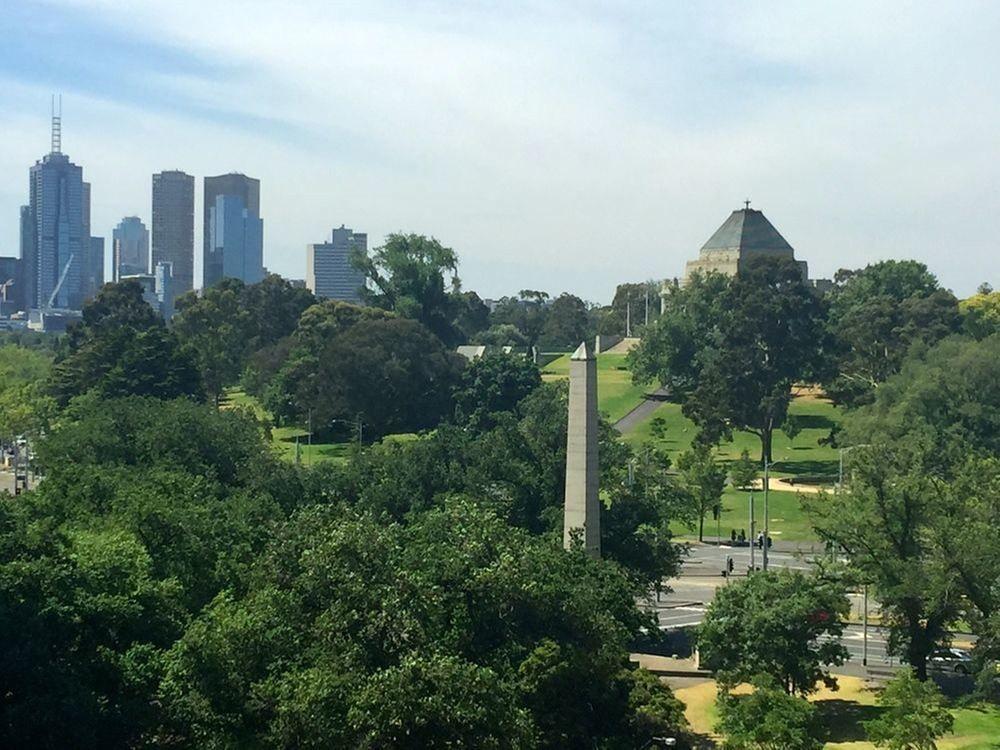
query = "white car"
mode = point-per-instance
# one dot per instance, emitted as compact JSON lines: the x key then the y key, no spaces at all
{"x":955,"y":660}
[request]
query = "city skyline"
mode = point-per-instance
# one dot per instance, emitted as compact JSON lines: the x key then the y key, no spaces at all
{"x":863,"y":133}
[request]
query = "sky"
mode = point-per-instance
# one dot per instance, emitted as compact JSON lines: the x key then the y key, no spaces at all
{"x":562,"y":146}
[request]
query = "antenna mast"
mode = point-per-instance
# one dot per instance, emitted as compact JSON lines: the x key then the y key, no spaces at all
{"x":57,"y":124}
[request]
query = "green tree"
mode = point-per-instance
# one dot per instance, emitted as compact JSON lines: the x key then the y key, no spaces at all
{"x":227,"y":323}
{"x":501,"y":334}
{"x":456,"y":628}
{"x":527,"y":311}
{"x":631,"y":301}
{"x":731,"y":349}
{"x":393,"y":373}
{"x":567,"y":323}
{"x":493,"y":384}
{"x":25,"y":408}
{"x":981,"y":313}
{"x":780,"y":623}
{"x":913,"y":715}
{"x":743,"y":471}
{"x":415,"y":277}
{"x":767,"y":719}
{"x":122,"y":347}
{"x":705,"y":479}
{"x":876,"y":315}
{"x":883,"y":522}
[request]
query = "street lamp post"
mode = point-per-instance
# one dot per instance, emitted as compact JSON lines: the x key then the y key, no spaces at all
{"x":864,"y":629}
{"x":767,"y":538}
{"x":753,"y":543}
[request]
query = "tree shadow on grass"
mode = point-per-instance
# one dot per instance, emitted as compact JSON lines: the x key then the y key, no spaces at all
{"x":810,"y":468}
{"x":844,"y":720}
{"x":814,"y":422}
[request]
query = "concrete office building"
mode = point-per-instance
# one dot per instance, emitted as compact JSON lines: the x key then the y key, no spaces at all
{"x":173,"y":226}
{"x":236,"y":236}
{"x":233,"y":184}
{"x":147,"y":282}
{"x":130,"y":244}
{"x":53,"y":234}
{"x":329,"y":271}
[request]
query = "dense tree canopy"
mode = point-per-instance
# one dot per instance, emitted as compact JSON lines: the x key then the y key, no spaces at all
{"x":122,"y":347}
{"x":731,"y":349}
{"x":876,"y":314}
{"x":491,"y":385}
{"x":228,"y":323}
{"x":393,"y":374}
{"x":780,"y":623}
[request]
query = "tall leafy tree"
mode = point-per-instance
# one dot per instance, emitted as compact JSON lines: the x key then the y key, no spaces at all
{"x":567,"y":323}
{"x":493,"y":384}
{"x":780,"y":623}
{"x":705,"y":479}
{"x":731,"y":349}
{"x":767,"y":719}
{"x":913,"y":715}
{"x":122,"y":347}
{"x":527,"y":311}
{"x":415,"y":277}
{"x":876,"y":314}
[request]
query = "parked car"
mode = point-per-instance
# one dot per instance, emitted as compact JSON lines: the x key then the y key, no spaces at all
{"x":955,"y":660}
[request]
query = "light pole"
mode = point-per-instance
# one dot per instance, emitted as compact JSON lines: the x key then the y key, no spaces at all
{"x":840,"y":471}
{"x":767,"y":538}
{"x":864,"y":629}
{"x":753,"y":543}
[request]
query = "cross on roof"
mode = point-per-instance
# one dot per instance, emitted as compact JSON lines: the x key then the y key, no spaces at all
{"x":747,"y":203}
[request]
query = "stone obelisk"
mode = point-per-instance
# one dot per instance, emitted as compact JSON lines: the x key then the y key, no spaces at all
{"x":582,"y":509}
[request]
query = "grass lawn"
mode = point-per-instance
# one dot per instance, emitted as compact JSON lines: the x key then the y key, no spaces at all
{"x":802,"y":457}
{"x":284,"y":438}
{"x":616,"y":395}
{"x":843,"y":712}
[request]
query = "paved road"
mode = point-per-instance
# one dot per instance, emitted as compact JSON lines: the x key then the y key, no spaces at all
{"x":691,"y":593}
{"x":642,"y":411}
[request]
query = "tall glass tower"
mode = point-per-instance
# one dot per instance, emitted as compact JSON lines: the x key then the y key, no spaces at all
{"x":59,"y":248}
{"x":247,"y":189}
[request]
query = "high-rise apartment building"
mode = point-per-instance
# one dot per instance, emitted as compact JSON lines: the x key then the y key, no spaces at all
{"x":28,"y":278}
{"x":173,"y":226}
{"x":247,"y":189}
{"x":130,"y":245}
{"x":330,"y":274}
{"x":236,"y":239}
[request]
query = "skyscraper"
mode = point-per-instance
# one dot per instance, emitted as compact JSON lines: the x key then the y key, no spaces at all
{"x":130,"y":244}
{"x":236,"y":238}
{"x":329,"y":271}
{"x":29,"y":261}
{"x":247,"y":189}
{"x":173,"y":226}
{"x":58,"y":248}
{"x":95,"y":269}
{"x":165,"y":290}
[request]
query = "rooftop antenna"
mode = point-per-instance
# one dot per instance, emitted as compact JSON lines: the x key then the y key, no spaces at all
{"x":57,"y":124}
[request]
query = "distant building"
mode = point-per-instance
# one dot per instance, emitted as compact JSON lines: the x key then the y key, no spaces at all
{"x":94,"y":271}
{"x":148,"y":283}
{"x":329,"y":271}
{"x":745,"y":234}
{"x":130,"y":243}
{"x":166,"y":290}
{"x":236,"y":236}
{"x":247,"y":189}
{"x":173,"y":226}
{"x":28,"y":278}
{"x":10,"y":286}
{"x":57,"y":246}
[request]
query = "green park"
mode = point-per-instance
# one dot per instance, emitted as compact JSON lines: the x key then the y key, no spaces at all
{"x":283,"y":521}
